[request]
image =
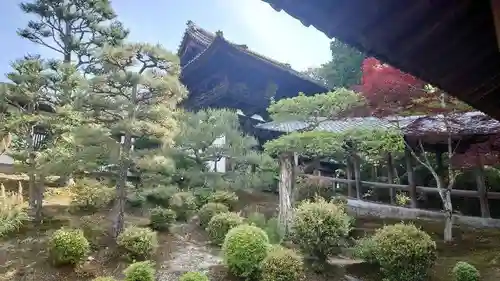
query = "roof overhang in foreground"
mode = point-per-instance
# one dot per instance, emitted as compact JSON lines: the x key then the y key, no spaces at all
{"x":451,"y":44}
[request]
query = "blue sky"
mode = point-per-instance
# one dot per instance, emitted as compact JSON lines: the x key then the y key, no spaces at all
{"x":250,"y":22}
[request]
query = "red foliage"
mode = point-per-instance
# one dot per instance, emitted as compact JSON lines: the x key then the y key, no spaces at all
{"x":388,"y":90}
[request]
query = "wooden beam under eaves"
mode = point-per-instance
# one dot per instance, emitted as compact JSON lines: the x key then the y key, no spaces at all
{"x":495,"y":8}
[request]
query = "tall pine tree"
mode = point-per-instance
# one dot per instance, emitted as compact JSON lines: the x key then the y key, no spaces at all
{"x":73,"y":28}
{"x":136,"y":95}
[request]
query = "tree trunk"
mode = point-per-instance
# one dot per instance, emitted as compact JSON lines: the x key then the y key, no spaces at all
{"x":121,"y":188}
{"x":285,"y":191}
{"x":121,"y":184}
{"x":448,"y":223}
{"x":445,"y":193}
{"x":40,"y":189}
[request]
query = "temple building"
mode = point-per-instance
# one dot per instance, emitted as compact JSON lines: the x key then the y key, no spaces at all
{"x":222,"y":74}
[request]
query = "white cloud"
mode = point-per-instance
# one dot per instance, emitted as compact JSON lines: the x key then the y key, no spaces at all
{"x":279,"y":35}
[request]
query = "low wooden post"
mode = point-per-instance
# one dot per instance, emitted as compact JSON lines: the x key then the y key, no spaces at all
{"x":349,"y":172}
{"x":411,"y":178}
{"x":357,"y":176}
{"x":390,"y":177}
{"x":481,"y":189}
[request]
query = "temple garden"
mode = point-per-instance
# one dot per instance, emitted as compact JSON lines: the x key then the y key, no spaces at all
{"x":129,"y":162}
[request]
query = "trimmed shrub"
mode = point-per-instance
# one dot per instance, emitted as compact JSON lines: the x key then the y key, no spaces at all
{"x":140,"y":271}
{"x":94,"y":229}
{"x":282,"y":264}
{"x":272,"y":230}
{"x":202,"y":195}
{"x":270,"y":226}
{"x":91,"y":195}
{"x":138,"y":242}
{"x":227,"y":198}
{"x":339,"y":200}
{"x":105,"y":278}
{"x":244,"y":248}
{"x":184,"y":204}
{"x":161,"y":218}
{"x":320,"y":228}
{"x":193,"y":276}
{"x":404,"y":252}
{"x":68,"y":246}
{"x":209,"y":210}
{"x":136,"y":200}
{"x":365,"y":250}
{"x":220,"y":224}
{"x":257,"y":219}
{"x":463,"y":271}
{"x":309,"y":189}
{"x":160,"y":196}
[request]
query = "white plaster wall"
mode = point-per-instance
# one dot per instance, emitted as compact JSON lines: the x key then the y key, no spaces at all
{"x":221,"y":164}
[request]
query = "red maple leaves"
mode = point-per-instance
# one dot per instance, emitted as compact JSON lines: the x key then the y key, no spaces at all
{"x":388,"y":90}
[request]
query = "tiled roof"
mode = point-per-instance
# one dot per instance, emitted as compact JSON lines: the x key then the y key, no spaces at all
{"x":470,"y":123}
{"x":328,"y":126}
{"x":206,"y":38}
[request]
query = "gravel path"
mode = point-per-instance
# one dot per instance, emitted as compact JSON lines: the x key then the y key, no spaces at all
{"x":188,"y":254}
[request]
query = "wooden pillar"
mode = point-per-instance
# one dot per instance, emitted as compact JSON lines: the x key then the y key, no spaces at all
{"x":411,"y":178}
{"x":481,"y":189}
{"x":357,"y":176}
{"x":350,"y":173}
{"x":439,"y":162}
{"x":390,"y":177}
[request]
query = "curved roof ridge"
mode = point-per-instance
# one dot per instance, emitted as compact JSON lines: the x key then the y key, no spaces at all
{"x":207,"y":38}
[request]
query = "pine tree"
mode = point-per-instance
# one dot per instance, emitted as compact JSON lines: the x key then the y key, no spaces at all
{"x":40,"y":128}
{"x":136,"y":95}
{"x":73,"y":28}
{"x":207,"y":136}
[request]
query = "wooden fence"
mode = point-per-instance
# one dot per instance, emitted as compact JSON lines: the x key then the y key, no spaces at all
{"x":482,"y":196}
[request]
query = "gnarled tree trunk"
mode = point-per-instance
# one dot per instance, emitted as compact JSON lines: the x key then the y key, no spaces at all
{"x":285,"y":188}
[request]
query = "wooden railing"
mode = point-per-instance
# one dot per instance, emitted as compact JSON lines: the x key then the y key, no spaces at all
{"x":425,"y":189}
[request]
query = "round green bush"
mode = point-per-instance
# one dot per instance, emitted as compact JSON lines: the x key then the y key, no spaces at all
{"x":91,"y":195}
{"x":202,"y":195}
{"x":193,"y":276}
{"x":227,"y":198}
{"x":320,"y":228}
{"x":161,"y":218}
{"x":184,"y":204}
{"x":159,"y":196}
{"x":365,"y":250}
{"x":140,"y":271}
{"x":244,"y":248}
{"x":68,"y":246}
{"x":105,"y":278}
{"x":94,"y":229}
{"x":209,"y":210}
{"x":220,"y":224}
{"x":404,"y":252}
{"x":463,"y":271}
{"x":138,"y":242}
{"x":282,"y":264}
